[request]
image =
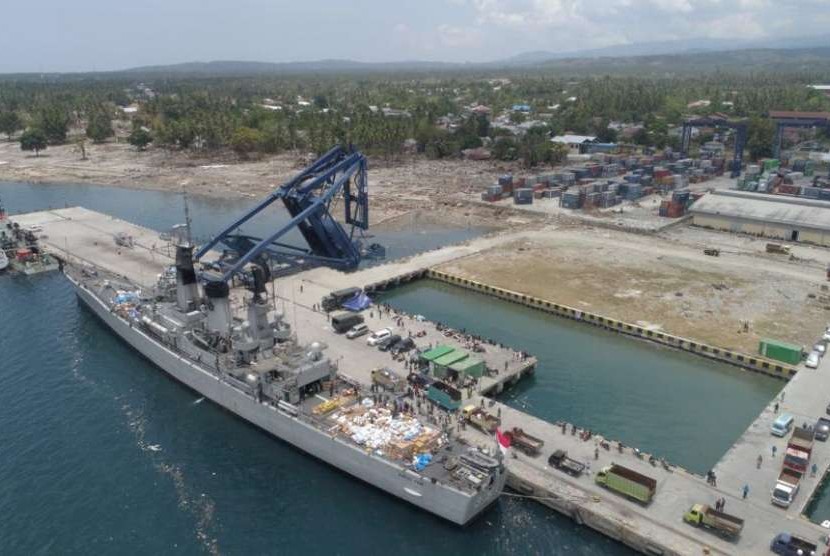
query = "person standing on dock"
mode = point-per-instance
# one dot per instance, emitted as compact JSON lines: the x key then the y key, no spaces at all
{"x":745,"y":491}
{"x":774,"y":449}
{"x":760,"y":461}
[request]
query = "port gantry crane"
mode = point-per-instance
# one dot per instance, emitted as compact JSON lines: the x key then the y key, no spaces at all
{"x":739,"y":126}
{"x":307,"y":197}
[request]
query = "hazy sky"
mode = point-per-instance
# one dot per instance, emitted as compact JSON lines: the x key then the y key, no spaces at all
{"x":78,"y":35}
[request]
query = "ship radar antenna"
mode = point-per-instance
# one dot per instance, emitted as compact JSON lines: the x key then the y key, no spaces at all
{"x":187,"y":221}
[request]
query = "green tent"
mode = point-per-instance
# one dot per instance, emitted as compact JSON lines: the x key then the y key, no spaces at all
{"x":470,"y":366}
{"x":436,"y":352}
{"x":440,"y":365}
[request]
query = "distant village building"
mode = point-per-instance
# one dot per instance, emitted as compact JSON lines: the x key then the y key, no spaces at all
{"x":821,"y":88}
{"x":699,"y":104}
{"x":481,"y":110}
{"x":395,"y":113}
{"x":576,"y":144}
{"x":521,"y":108}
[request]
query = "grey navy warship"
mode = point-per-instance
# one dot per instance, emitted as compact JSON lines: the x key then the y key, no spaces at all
{"x":255,"y":368}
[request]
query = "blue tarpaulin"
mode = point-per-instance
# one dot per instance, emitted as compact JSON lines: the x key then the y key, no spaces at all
{"x":422,"y":460}
{"x":359,"y":302}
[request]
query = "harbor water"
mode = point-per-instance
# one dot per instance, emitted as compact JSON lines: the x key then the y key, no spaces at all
{"x":673,"y":404}
{"x":102,"y":453}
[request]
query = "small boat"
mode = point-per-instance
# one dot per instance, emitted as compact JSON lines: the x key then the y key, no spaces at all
{"x":4,"y":261}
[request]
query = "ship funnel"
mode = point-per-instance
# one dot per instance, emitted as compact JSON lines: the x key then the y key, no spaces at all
{"x":187,"y":288}
{"x":219,"y":309}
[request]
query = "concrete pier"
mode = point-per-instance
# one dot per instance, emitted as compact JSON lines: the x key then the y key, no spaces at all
{"x":79,"y":235}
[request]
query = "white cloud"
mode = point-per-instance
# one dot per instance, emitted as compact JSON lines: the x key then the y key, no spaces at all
{"x":453,"y":36}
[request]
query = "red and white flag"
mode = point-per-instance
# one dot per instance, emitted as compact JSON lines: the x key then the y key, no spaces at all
{"x":503,"y":441}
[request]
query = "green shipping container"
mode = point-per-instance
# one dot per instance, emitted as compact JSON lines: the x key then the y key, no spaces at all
{"x":444,"y":395}
{"x":780,"y":351}
{"x":771,"y":164}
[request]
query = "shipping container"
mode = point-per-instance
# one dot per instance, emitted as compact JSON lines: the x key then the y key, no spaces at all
{"x":780,"y":351}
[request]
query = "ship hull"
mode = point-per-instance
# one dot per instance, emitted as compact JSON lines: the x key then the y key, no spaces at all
{"x":439,"y":499}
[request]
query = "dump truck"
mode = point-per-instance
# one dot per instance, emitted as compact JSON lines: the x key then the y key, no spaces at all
{"x":480,"y":419}
{"x":721,"y":523}
{"x":786,"y":488}
{"x":529,"y":445}
{"x":560,"y":460}
{"x":799,"y":449}
{"x":336,"y":298}
{"x":786,"y":544}
{"x":627,"y":482}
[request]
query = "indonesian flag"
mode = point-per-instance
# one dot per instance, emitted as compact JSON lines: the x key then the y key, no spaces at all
{"x":503,"y":441}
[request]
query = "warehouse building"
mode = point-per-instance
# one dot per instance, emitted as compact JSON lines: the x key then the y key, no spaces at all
{"x":773,"y":216}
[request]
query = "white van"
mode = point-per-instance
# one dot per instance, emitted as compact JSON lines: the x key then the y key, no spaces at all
{"x":782,"y":424}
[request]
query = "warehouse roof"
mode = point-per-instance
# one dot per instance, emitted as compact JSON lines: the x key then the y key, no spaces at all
{"x":574,"y":139}
{"x":762,"y":207}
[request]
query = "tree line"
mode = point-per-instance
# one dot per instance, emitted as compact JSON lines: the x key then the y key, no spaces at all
{"x":263,"y":114}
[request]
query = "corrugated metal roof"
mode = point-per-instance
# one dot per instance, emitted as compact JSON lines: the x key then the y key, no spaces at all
{"x":436,"y":352}
{"x":464,"y":364}
{"x":761,"y":207}
{"x":573,"y":139}
{"x":795,"y":115}
{"x":450,"y":358}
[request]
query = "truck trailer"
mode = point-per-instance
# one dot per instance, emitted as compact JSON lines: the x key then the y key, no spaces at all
{"x":627,"y":482}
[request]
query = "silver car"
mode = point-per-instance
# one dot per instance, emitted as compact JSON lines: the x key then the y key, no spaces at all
{"x":813,"y":359}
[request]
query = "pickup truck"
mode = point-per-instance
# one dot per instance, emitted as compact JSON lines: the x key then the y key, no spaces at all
{"x":627,"y":482}
{"x":530,"y":445}
{"x":786,"y":488}
{"x":480,"y":419}
{"x":822,"y":429}
{"x":786,"y":544}
{"x":724,"y":524}
{"x":560,"y":460}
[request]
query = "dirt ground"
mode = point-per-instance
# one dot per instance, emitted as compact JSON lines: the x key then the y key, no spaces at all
{"x":396,"y":186}
{"x":666,"y":282}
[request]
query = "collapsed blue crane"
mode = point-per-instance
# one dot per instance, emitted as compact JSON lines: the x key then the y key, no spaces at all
{"x":307,"y":197}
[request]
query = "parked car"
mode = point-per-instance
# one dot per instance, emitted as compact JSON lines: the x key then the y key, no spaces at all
{"x":821,"y":348}
{"x":403,"y":346}
{"x":357,"y":331}
{"x":378,"y":336}
{"x":813,"y":359}
{"x":826,"y":337}
{"x":387,"y":343}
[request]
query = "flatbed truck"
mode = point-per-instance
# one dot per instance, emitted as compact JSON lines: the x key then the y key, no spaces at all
{"x":627,"y":482}
{"x":723,"y":524}
{"x":786,"y":544}
{"x":560,"y":460}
